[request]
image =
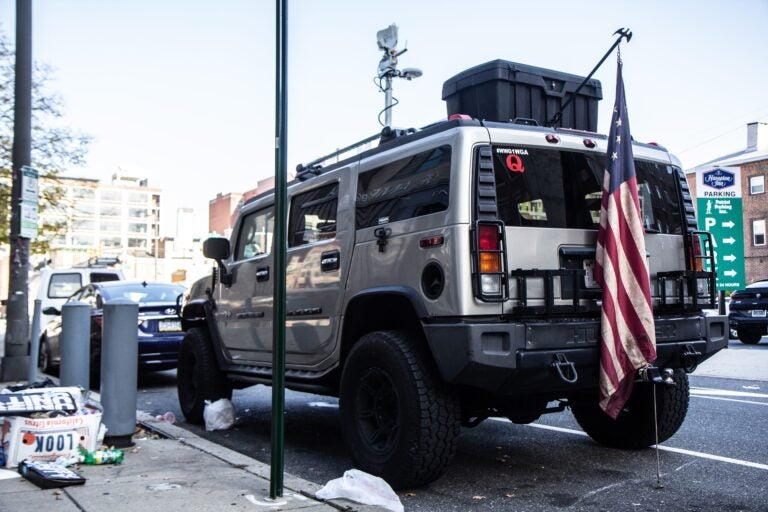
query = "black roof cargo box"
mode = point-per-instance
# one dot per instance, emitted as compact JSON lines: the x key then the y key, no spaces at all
{"x":503,"y":91}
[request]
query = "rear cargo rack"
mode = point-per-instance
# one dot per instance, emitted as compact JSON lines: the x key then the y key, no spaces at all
{"x":548,"y":276}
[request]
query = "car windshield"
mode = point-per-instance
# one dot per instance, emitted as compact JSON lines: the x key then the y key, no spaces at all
{"x":138,"y":292}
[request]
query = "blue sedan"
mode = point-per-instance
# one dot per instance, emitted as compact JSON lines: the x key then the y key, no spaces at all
{"x":159,"y":325}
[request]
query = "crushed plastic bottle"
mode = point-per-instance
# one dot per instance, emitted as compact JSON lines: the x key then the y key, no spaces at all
{"x":101,"y":456}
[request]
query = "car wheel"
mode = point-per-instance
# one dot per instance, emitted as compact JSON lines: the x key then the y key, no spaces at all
{"x":750,"y":336}
{"x":634,"y":427}
{"x":45,"y":357}
{"x":398,"y":418}
{"x":198,"y":378}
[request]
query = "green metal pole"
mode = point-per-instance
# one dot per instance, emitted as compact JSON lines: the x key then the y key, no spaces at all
{"x":281,"y":215}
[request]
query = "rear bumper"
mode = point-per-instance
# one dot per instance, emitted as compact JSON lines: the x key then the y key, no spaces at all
{"x":515,"y":358}
{"x":736,"y":321}
{"x":159,"y":354}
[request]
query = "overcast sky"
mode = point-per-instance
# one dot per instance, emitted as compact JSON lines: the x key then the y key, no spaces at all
{"x":182,"y":92}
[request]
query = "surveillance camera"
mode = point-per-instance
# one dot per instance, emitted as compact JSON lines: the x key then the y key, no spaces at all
{"x":411,"y":73}
{"x":387,"y":38}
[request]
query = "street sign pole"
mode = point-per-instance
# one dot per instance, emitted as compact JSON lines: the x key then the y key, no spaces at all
{"x":281,"y":214}
{"x":16,"y":360}
{"x":719,"y":209}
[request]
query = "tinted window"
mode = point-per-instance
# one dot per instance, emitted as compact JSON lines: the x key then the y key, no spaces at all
{"x":313,"y":216}
{"x":62,"y":286}
{"x":255,"y":237}
{"x":403,"y":189}
{"x":99,"y":277}
{"x":562,"y":189}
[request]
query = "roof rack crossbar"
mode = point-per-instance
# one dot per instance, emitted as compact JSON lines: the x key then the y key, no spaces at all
{"x":314,"y":163}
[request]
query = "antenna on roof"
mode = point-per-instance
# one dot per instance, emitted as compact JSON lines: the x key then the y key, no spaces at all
{"x":387,"y":41}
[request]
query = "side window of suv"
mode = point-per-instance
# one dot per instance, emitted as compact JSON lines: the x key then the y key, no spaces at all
{"x":255,"y":237}
{"x":313,"y":215}
{"x":409,"y":187}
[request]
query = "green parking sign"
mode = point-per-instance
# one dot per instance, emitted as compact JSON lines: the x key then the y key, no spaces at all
{"x":719,"y":211}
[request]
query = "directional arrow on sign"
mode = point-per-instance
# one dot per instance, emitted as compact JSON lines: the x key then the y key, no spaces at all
{"x":730,"y":273}
{"x":729,"y":240}
{"x":730,"y":257}
{"x":729,"y":224}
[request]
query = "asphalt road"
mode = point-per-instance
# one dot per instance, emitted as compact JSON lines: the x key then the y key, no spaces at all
{"x":718,"y":460}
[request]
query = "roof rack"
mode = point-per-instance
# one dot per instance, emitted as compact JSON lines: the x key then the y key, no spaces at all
{"x":99,"y":261}
{"x":313,"y":168}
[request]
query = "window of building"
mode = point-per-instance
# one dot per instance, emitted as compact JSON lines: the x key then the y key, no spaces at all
{"x":138,"y":197}
{"x":137,"y":243}
{"x":110,"y":226}
{"x":411,"y":187}
{"x":137,"y":212}
{"x":83,"y":193}
{"x":255,"y":237}
{"x":313,"y":216}
{"x":756,"y":185}
{"x":758,"y":232}
{"x":84,"y":209}
{"x":113,"y":241}
{"x":82,"y":240}
{"x":137,"y":228}
{"x":83,"y":225}
{"x":114,"y":196}
{"x":109,"y":211}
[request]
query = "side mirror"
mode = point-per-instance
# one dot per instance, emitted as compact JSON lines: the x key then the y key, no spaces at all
{"x":50,"y":310}
{"x":216,"y":248}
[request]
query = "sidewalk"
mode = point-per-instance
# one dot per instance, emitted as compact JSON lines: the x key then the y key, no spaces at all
{"x":173,"y":471}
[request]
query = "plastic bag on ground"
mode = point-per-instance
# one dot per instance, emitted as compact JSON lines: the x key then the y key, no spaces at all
{"x":219,"y":415}
{"x":363,"y":488}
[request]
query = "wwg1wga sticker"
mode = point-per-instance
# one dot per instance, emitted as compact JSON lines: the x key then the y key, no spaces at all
{"x":513,"y":159}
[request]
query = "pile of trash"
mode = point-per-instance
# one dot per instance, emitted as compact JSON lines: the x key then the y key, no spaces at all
{"x":45,"y":428}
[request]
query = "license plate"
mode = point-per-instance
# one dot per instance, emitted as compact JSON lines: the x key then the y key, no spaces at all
{"x":589,"y":274}
{"x":169,"y":325}
{"x":758,"y":313}
{"x":37,"y":445}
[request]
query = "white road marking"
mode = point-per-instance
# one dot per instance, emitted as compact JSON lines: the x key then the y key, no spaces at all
{"x":692,"y":453}
{"x":731,"y":400}
{"x":726,"y":392}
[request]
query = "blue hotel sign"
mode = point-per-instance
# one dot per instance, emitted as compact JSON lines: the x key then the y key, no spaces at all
{"x":719,"y":179}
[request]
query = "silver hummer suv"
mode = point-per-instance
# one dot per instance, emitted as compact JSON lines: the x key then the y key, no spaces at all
{"x":445,"y":277}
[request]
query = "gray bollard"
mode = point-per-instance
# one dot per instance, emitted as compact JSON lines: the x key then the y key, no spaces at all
{"x":75,"y":344}
{"x":119,"y":369}
{"x":34,"y":342}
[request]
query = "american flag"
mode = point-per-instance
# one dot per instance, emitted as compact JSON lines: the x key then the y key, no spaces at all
{"x":628,"y":340}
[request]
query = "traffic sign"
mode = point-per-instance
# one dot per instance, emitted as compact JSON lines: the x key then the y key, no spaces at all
{"x":719,"y":208}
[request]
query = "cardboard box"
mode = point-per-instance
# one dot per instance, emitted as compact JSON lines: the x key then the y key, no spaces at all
{"x":45,"y":439}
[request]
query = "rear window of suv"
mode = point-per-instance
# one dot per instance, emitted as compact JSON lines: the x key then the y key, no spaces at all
{"x":562,"y":189}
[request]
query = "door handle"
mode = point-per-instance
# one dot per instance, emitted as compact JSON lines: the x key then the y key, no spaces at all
{"x":262,"y":274}
{"x":330,"y":261}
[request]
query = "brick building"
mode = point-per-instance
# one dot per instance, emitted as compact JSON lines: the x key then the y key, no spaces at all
{"x":223,"y":208}
{"x":752,"y":163}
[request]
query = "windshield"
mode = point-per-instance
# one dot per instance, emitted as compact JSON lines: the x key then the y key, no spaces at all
{"x":140,"y":293}
{"x":561,"y":189}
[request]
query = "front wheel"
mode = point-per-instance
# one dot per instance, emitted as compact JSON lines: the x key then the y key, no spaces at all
{"x":634,"y":427}
{"x":398,"y":418}
{"x":750,"y":336}
{"x":198,"y":377}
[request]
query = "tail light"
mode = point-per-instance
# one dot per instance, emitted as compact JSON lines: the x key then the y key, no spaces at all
{"x":491,"y":283}
{"x":696,"y":261}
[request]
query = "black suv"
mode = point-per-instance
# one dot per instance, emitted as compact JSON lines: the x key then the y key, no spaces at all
{"x":749,"y":312}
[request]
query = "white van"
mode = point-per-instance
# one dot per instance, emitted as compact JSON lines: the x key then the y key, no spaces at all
{"x":55,"y":285}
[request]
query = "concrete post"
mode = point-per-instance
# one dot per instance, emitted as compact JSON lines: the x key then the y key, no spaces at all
{"x":119,"y":369}
{"x":34,"y":342}
{"x":75,"y":344}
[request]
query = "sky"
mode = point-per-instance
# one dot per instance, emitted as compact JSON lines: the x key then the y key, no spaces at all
{"x":183,"y":92}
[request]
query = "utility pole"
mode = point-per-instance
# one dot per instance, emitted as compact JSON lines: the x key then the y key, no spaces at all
{"x":16,"y":359}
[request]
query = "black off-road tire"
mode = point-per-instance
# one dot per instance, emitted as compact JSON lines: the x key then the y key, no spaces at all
{"x":399,"y":419}
{"x":750,"y":336}
{"x":198,"y":377}
{"x":634,"y":428}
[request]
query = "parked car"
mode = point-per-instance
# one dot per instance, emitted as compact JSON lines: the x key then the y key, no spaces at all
{"x":749,"y":312}
{"x":159,"y":330}
{"x":55,"y":285}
